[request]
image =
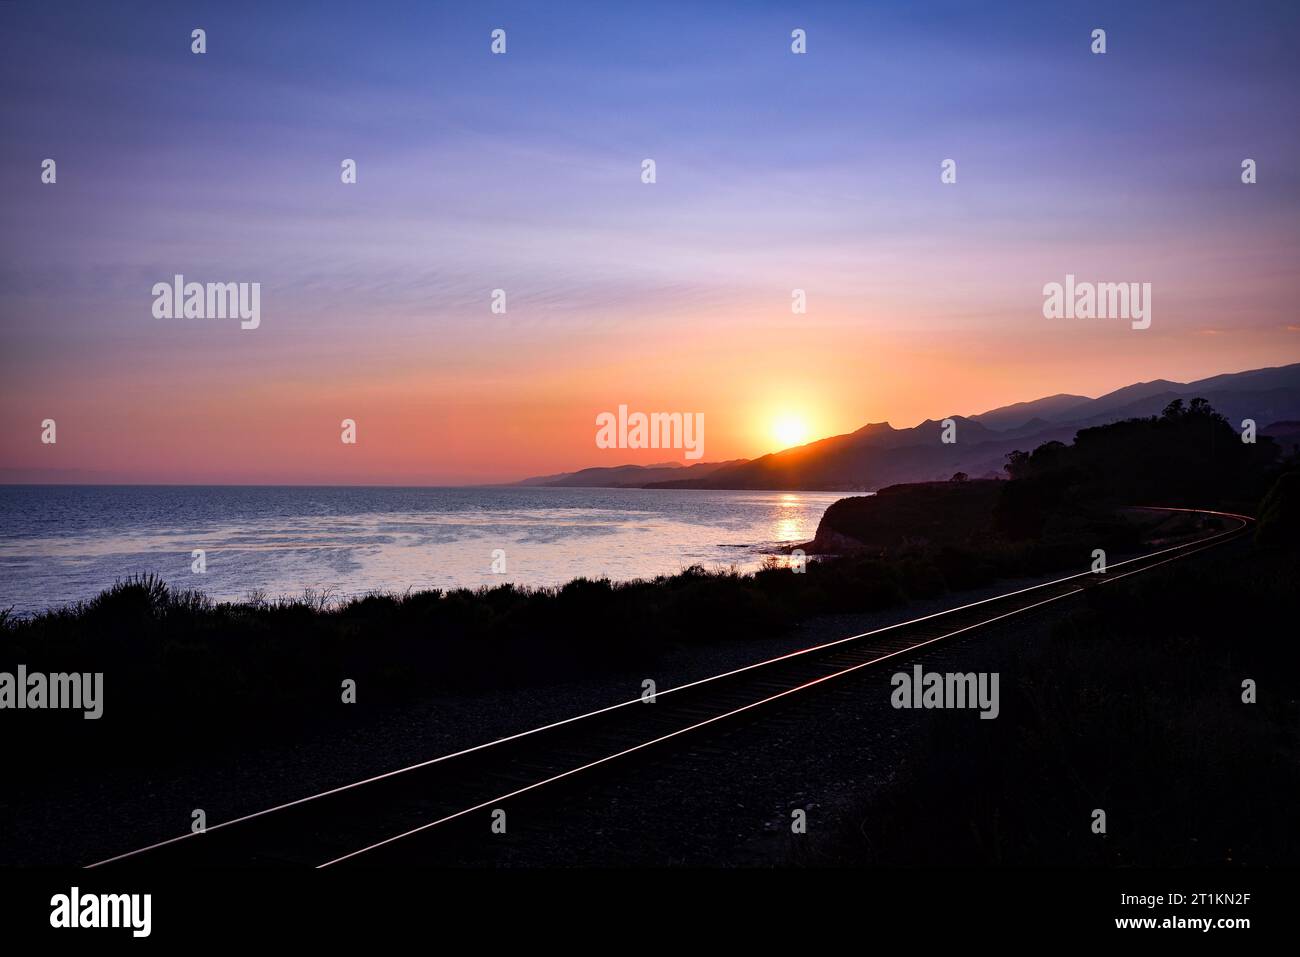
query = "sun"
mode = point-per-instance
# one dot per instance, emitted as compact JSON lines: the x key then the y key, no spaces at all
{"x":790,"y":430}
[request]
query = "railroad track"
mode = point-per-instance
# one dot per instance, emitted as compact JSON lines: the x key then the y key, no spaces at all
{"x":366,"y":820}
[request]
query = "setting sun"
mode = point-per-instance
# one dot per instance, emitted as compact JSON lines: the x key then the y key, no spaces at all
{"x":790,"y":430}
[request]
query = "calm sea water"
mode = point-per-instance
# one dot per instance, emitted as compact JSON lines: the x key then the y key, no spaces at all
{"x":60,"y":544}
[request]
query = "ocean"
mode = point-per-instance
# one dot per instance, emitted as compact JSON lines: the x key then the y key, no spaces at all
{"x":63,"y":543}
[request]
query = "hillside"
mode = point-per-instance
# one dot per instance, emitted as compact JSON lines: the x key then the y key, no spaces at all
{"x":627,"y":476}
{"x":878,"y":455}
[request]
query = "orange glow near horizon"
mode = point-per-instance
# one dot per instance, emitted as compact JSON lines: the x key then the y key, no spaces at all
{"x":499,"y":405}
{"x":417,"y":429}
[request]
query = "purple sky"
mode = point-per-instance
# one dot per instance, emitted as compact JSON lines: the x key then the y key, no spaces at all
{"x":521,"y":172}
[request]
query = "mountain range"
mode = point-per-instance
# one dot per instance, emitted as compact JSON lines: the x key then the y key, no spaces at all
{"x":878,"y":455}
{"x":629,"y":476}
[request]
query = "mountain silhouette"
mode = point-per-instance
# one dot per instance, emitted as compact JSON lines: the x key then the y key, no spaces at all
{"x":878,"y":455}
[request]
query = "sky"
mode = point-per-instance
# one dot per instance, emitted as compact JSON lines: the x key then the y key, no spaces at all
{"x":775,"y":171}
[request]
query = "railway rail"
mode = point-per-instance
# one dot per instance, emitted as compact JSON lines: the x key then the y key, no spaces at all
{"x":357,"y":822}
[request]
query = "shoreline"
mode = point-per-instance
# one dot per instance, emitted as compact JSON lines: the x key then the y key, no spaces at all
{"x":354,"y":542}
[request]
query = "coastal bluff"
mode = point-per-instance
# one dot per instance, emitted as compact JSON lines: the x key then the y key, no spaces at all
{"x":914,"y":514}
